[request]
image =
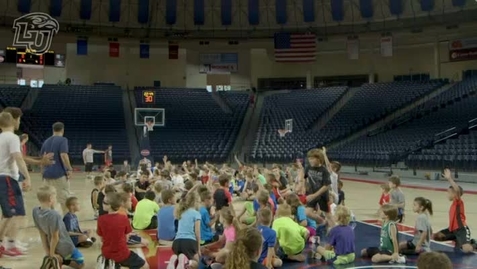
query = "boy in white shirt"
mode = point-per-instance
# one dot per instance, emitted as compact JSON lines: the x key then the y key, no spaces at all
{"x":11,"y":199}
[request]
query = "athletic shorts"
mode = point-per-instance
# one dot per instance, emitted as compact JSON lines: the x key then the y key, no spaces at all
{"x":321,"y":204}
{"x":88,"y":167}
{"x":11,"y":198}
{"x":188,"y":247}
{"x":461,"y":236}
{"x":374,"y":250}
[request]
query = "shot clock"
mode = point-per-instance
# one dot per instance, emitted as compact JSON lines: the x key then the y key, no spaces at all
{"x":148,"y":97}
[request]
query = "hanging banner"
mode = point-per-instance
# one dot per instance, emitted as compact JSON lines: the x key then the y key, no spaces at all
{"x":114,"y":50}
{"x":144,"y":51}
{"x":173,"y":50}
{"x":352,"y":46}
{"x":463,"y":49}
{"x":387,"y":46}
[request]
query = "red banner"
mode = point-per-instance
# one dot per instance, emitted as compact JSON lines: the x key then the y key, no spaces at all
{"x":114,"y":50}
{"x":173,"y":50}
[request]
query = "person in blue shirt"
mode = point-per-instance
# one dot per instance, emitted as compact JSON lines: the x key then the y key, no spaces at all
{"x":58,"y":173}
{"x":267,"y":257}
{"x":299,"y":212}
{"x":207,"y":219}
{"x":166,"y":230}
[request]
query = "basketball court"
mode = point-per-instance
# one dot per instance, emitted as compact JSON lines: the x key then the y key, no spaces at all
{"x":361,"y":197}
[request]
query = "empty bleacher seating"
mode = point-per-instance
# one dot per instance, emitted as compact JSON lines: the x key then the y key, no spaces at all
{"x":304,"y":107}
{"x":12,"y":95}
{"x":90,"y":114}
{"x":415,"y":130}
{"x":195,"y":125}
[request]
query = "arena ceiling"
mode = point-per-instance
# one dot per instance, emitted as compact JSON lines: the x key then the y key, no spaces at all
{"x":241,"y":19}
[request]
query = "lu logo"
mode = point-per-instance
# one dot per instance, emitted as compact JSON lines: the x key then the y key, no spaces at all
{"x":35,"y":31}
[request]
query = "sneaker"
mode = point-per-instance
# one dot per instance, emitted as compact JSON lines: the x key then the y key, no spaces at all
{"x":13,"y":252}
{"x":182,"y":262}
{"x":172,"y":262}
{"x":21,"y":244}
{"x":401,"y":260}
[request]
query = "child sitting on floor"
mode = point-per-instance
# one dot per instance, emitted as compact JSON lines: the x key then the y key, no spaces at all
{"x":145,"y":216}
{"x":98,"y":187}
{"x":268,"y":257}
{"x":128,"y":188}
{"x":52,"y":230}
{"x":166,"y":230}
{"x":340,"y":249}
{"x":245,"y":253}
{"x":208,"y":219}
{"x":291,"y":236}
{"x":113,"y":229}
{"x":80,"y":238}
{"x":299,"y":213}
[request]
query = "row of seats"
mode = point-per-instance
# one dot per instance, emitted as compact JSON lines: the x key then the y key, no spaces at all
{"x":91,"y":114}
{"x":461,"y":152}
{"x":13,"y":95}
{"x":419,"y":127}
{"x":369,"y":103}
{"x":195,"y":125}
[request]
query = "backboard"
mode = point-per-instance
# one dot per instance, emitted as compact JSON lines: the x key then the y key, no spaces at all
{"x":289,"y":125}
{"x":144,"y":114}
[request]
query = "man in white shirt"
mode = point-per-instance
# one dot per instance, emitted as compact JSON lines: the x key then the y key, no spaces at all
{"x":11,"y":199}
{"x":88,"y":158}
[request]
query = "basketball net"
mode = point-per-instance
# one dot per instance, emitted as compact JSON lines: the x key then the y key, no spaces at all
{"x":282,"y":132}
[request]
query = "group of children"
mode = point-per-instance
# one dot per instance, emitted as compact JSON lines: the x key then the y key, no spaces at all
{"x":193,"y":212}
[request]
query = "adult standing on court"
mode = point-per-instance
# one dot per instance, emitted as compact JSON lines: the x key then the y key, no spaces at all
{"x":58,"y":173}
{"x":11,"y":198}
{"x":88,"y":158}
{"x":108,"y":156}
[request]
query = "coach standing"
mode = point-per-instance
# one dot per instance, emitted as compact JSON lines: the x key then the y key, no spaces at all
{"x":58,"y":173}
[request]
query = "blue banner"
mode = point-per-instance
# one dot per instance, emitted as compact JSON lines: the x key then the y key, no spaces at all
{"x":458,"y":3}
{"x":171,"y":12}
{"x":143,"y":11}
{"x":55,"y":7}
{"x":114,"y":10}
{"x":82,"y":47}
{"x":427,"y":5}
{"x":395,"y":7}
{"x":253,"y":12}
{"x":337,"y":8}
{"x":281,"y":11}
{"x":226,"y":12}
{"x":199,"y":12}
{"x":144,"y":51}
{"x":85,"y":9}
{"x":309,"y":10}
{"x":24,"y":6}
{"x":366,"y":8}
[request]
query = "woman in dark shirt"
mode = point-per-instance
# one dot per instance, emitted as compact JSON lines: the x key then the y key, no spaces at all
{"x":246,"y":250}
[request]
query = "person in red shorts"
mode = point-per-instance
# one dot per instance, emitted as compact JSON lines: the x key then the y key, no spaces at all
{"x":108,"y":156}
{"x":113,"y":228}
{"x":458,"y":230}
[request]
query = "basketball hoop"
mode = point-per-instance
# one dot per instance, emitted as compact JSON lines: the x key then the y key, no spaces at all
{"x":282,"y":132}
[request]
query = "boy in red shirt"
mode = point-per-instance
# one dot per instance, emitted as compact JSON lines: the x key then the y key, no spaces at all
{"x":113,"y":229}
{"x":458,"y":230}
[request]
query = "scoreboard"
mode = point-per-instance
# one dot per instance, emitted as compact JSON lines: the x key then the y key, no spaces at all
{"x":25,"y":56}
{"x":148,"y":97}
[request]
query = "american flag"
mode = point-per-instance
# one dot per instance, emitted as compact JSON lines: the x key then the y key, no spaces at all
{"x":295,"y":48}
